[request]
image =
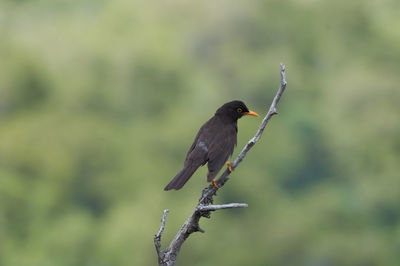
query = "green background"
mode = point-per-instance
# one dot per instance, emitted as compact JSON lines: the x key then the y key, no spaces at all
{"x":100,"y":100}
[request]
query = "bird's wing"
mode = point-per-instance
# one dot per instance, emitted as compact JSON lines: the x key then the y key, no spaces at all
{"x":196,"y":157}
{"x":219,"y":152}
{"x":196,"y":140}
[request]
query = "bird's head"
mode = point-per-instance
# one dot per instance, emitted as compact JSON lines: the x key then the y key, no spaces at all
{"x":234,"y":110}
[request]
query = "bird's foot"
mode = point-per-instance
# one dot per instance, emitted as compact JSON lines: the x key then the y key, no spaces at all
{"x":215,"y":184}
{"x":229,"y":164}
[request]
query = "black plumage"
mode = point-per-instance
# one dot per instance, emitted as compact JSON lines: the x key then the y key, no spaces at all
{"x":214,"y":143}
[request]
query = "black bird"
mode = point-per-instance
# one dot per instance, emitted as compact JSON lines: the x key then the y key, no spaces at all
{"x":214,"y":143}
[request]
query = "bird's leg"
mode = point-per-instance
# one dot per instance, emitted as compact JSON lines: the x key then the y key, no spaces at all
{"x":215,"y":184}
{"x":229,"y":164}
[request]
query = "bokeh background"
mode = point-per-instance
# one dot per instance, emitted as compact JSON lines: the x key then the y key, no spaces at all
{"x":100,"y":100}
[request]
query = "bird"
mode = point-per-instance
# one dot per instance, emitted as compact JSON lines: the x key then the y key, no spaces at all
{"x":213,"y":144}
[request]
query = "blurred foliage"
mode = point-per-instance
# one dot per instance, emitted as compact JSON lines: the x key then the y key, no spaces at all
{"x":99,"y":101}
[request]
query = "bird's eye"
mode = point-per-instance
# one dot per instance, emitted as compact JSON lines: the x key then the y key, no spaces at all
{"x":239,"y":110}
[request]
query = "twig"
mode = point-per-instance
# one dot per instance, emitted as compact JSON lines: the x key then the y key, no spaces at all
{"x":222,"y":206}
{"x":203,"y":208}
{"x":157,"y":237}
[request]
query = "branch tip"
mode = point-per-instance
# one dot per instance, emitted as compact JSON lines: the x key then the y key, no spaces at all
{"x":163,"y":219}
{"x":221,"y":206}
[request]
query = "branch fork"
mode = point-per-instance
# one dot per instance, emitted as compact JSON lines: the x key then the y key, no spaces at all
{"x":205,"y":205}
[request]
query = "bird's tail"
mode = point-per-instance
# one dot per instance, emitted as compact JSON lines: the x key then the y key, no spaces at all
{"x":181,"y":178}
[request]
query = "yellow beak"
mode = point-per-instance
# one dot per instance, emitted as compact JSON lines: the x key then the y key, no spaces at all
{"x":251,"y":113}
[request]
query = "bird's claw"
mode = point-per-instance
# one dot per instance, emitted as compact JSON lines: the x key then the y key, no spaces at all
{"x":215,"y":184}
{"x":229,"y":164}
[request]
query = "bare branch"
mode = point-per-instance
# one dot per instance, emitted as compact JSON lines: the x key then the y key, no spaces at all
{"x":222,"y":206}
{"x":272,"y":111}
{"x":203,"y":208}
{"x":157,"y":237}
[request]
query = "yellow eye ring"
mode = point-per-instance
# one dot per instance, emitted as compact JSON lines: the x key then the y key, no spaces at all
{"x":239,"y":110}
